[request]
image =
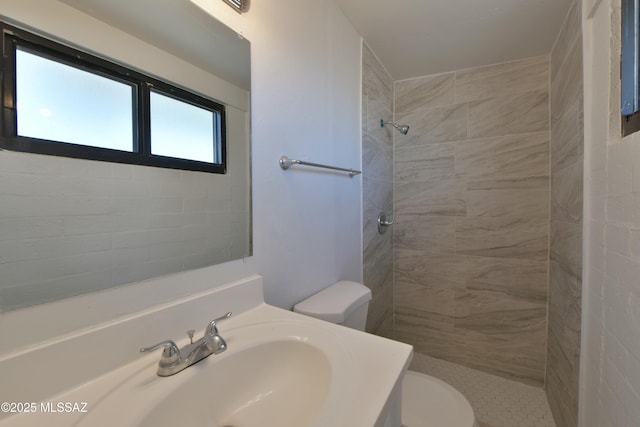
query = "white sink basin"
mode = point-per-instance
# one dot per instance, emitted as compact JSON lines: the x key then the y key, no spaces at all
{"x":280,"y":369}
{"x":277,"y":372}
{"x":256,"y":384}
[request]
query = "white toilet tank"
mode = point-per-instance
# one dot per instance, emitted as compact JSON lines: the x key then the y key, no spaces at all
{"x":345,"y":303}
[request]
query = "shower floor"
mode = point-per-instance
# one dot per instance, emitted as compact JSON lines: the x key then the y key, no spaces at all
{"x":496,"y":401}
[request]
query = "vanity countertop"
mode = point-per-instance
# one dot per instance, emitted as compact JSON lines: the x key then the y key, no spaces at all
{"x":280,"y":369}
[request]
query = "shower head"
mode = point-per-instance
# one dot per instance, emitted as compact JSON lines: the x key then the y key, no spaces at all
{"x":404,"y":129}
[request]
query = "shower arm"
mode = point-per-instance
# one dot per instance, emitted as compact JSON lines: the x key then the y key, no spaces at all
{"x":403,"y":129}
{"x":382,"y":123}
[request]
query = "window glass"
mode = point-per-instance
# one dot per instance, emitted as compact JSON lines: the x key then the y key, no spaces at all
{"x":64,"y":102}
{"x":58,"y":102}
{"x":182,"y":130}
{"x":629,"y":66}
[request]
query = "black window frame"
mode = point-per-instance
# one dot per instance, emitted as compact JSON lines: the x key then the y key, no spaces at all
{"x":142,"y":85}
{"x":630,"y":67}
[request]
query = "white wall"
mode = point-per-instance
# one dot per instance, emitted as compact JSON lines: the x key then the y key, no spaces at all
{"x":306,"y":105}
{"x":610,"y":364}
{"x":307,"y":226}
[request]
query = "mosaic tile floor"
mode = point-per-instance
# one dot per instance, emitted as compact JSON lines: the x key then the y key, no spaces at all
{"x":496,"y":401}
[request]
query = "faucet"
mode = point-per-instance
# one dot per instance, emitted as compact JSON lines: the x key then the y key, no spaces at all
{"x":172,"y":360}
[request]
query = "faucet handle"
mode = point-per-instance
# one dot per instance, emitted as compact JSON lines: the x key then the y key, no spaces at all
{"x":170,"y":354}
{"x":214,"y":342}
{"x":212,"y":328}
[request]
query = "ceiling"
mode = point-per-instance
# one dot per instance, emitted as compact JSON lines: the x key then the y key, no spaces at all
{"x":415,"y":38}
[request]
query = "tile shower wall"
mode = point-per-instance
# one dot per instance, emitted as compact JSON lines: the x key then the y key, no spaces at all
{"x":377,"y":170}
{"x":471,"y":198}
{"x":565,"y":265}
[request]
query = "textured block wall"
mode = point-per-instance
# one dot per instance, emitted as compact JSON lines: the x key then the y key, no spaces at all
{"x":72,"y":226}
{"x":610,"y":347}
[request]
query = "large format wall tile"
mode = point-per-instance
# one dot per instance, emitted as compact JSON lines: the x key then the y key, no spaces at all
{"x":566,"y":194}
{"x":424,"y":317}
{"x":566,"y":39}
{"x":378,"y":264}
{"x":503,"y":237}
{"x":508,"y":115}
{"x":445,"y":271}
{"x":374,"y":75}
{"x":525,"y":279}
{"x":414,"y":94}
{"x":378,"y":276}
{"x":508,"y":69}
{"x":431,"y":234}
{"x":377,"y":197}
{"x":566,"y":254}
{"x":566,"y":89}
{"x":518,"y":355}
{"x":435,"y":301}
{"x":471,"y":196}
{"x":510,"y":78}
{"x":377,"y":109}
{"x":508,"y":203}
{"x":497,"y":313}
{"x":377,"y":191}
{"x":437,"y":124}
{"x":569,"y":130}
{"x":429,"y":333}
{"x":516,"y":182}
{"x":437,"y":197}
{"x":565,"y":259}
{"x":560,"y":386}
{"x":498,"y":324}
{"x":377,"y":97}
{"x":377,"y":159}
{"x":424,"y":163}
{"x":523,"y":155}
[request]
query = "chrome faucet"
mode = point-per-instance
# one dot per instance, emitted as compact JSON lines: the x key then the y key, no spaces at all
{"x":172,"y":361}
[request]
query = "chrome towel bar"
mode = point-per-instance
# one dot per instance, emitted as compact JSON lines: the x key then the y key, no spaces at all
{"x":286,"y":163}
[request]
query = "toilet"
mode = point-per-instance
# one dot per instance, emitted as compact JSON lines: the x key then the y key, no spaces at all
{"x":426,"y":401}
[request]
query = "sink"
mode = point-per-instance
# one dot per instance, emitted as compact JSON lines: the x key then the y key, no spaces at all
{"x":276,"y":372}
{"x":280,"y":369}
{"x":257,"y":383}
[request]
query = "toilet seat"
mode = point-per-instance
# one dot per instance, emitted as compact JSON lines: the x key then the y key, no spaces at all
{"x":430,"y":402}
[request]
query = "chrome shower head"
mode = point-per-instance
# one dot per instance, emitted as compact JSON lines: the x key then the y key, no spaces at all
{"x":404,"y":129}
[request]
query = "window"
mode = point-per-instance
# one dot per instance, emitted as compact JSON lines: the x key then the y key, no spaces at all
{"x":60,"y":101}
{"x":173,"y":119}
{"x":629,"y":67}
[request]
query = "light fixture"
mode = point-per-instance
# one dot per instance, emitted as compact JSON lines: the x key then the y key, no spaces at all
{"x":403,"y":129}
{"x":239,"y":6}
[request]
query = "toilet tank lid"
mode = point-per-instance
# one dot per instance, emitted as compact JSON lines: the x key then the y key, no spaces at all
{"x":335,"y":303}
